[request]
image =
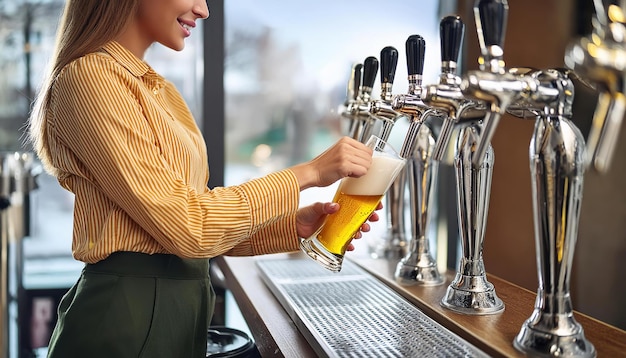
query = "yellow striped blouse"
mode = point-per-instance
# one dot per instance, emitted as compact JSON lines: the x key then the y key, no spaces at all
{"x":129,"y":149}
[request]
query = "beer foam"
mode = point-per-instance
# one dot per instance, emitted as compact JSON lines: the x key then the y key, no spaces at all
{"x":378,"y":178}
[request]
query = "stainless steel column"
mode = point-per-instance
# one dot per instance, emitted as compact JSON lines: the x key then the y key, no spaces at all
{"x":557,"y":168}
{"x":418,"y":266}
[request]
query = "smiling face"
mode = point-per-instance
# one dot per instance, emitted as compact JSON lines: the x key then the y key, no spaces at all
{"x":167,"y":22}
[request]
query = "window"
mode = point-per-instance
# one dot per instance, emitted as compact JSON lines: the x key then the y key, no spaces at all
{"x":287,"y":66}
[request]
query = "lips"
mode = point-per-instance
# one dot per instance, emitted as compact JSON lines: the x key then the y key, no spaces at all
{"x":187,"y":26}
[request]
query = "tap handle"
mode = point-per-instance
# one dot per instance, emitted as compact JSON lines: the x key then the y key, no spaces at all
{"x":415,"y":51}
{"x":370,"y":69}
{"x":355,"y":82}
{"x":388,"y":64}
{"x":491,"y":17}
{"x":451,"y":30}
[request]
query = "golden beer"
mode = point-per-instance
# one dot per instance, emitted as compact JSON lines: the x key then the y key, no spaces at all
{"x":339,"y":228}
{"x":357,"y":199}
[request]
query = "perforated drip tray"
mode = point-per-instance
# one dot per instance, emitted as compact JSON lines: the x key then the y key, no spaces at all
{"x":352,"y":314}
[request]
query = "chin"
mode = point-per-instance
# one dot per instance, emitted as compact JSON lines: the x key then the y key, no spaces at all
{"x":176,"y":46}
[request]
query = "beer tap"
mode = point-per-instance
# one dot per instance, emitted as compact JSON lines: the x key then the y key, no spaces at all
{"x":354,"y":86}
{"x":359,"y":98}
{"x":418,"y":265}
{"x":600,"y":59}
{"x":352,"y":98}
{"x":557,"y":168}
{"x":446,"y":96}
{"x":469,"y":292}
{"x":393,"y":245}
{"x":382,"y":109}
{"x":491,"y":84}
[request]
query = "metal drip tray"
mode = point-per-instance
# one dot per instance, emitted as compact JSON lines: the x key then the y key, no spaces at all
{"x":352,"y":314}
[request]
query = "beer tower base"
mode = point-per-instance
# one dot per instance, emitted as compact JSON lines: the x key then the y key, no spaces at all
{"x":418,"y":274}
{"x":472,"y":295}
{"x":541,"y":343}
{"x":317,"y":252}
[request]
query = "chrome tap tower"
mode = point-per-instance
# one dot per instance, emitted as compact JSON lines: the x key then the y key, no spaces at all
{"x":393,"y":245}
{"x":557,"y":171}
{"x":470,"y":292}
{"x":418,"y":265}
{"x":377,"y":117}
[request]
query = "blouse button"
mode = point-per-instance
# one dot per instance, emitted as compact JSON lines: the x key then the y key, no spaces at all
{"x":155,"y":90}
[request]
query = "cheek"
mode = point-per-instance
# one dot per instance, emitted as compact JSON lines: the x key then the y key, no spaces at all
{"x":153,"y":22}
{"x":145,"y":17}
{"x":153,"y":13}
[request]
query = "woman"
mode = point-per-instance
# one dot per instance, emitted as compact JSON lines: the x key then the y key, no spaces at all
{"x":121,"y":138}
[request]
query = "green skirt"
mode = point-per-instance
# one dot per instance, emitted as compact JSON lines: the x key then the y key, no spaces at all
{"x":136,"y":305}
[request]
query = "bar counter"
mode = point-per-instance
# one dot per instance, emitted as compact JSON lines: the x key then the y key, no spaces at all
{"x":276,"y":335}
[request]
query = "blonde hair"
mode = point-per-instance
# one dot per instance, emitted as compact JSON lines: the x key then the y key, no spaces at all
{"x":86,"y":25}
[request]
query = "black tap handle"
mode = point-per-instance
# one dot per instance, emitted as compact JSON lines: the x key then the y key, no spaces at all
{"x":451,"y":31}
{"x":491,"y":16}
{"x":355,"y":82}
{"x":415,"y":50}
{"x":388,"y":64}
{"x":370,"y":69}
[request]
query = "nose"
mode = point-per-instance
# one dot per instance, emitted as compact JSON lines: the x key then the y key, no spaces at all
{"x":201,"y":9}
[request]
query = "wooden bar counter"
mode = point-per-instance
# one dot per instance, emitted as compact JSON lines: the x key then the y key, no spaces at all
{"x":276,"y":335}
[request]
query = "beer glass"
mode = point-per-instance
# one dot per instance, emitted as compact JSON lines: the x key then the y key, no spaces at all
{"x":357,"y":199}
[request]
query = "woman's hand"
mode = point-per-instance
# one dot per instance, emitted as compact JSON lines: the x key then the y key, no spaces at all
{"x":310,"y":218}
{"x":346,"y":158}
